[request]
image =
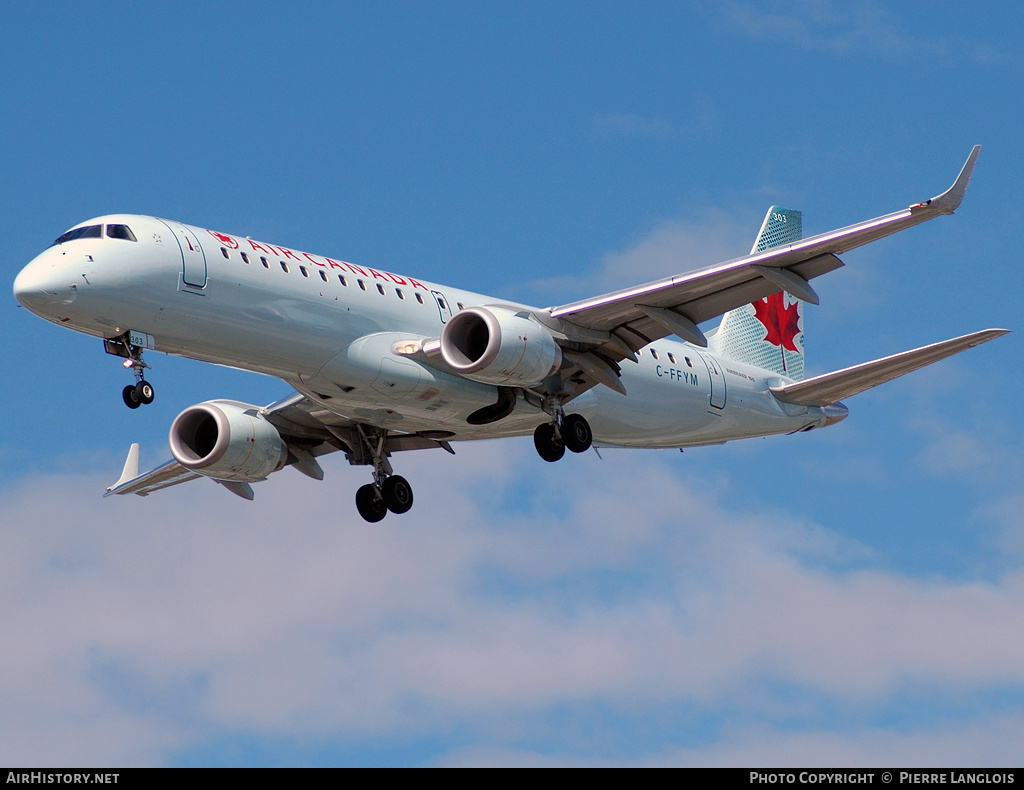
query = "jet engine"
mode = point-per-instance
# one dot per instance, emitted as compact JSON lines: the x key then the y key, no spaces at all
{"x":498,"y":346}
{"x":227,"y":440}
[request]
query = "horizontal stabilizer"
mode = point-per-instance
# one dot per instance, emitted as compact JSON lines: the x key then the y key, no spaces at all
{"x":833,"y":387}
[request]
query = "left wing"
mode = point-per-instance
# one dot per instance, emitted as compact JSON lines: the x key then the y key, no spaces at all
{"x":308,"y":431}
{"x":633,"y":317}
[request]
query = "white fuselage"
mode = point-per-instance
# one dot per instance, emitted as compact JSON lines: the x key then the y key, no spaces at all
{"x":327,"y":328}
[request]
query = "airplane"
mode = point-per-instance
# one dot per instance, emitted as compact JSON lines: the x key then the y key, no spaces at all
{"x":382,"y":362}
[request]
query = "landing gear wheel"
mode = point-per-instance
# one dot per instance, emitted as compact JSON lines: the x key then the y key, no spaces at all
{"x":576,"y":433}
{"x":548,"y":445}
{"x":144,"y":392}
{"x":369,"y":506}
{"x":397,"y":494}
{"x":131,"y":397}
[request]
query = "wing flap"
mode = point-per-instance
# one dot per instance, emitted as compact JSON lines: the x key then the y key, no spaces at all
{"x":833,"y":387}
{"x":300,"y":417}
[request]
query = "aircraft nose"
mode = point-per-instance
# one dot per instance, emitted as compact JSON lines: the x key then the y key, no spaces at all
{"x":30,"y":288}
{"x":40,"y":284}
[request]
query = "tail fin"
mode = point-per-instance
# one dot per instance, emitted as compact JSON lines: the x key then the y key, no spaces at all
{"x":768,"y":333}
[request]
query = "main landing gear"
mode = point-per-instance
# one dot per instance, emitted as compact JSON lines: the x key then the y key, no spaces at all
{"x":566,"y":431}
{"x":388,"y":491}
{"x":374,"y":500}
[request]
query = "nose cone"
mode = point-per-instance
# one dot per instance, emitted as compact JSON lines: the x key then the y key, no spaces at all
{"x":41,"y":284}
{"x":30,"y":288}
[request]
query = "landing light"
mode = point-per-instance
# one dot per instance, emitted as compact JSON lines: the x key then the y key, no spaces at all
{"x":406,"y":348}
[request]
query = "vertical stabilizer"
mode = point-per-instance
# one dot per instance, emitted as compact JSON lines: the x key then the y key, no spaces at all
{"x":768,"y":333}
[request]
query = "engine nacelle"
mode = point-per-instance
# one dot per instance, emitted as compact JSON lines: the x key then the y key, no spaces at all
{"x":227,"y":440}
{"x":498,"y":346}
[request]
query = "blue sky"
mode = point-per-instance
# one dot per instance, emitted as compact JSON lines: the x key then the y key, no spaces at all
{"x":851,"y":596}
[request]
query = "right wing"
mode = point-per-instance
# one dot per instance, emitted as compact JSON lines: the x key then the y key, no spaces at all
{"x":618,"y":324}
{"x":833,"y":387}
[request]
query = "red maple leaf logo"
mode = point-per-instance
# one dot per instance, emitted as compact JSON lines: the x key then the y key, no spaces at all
{"x":781,"y":322}
{"x":224,"y":239}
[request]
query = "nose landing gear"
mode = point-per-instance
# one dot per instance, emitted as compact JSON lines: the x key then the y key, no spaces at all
{"x":136,"y":395}
{"x":140,"y":393}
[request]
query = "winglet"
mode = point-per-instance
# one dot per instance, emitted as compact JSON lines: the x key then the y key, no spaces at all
{"x":948,"y":201}
{"x":131,"y":467}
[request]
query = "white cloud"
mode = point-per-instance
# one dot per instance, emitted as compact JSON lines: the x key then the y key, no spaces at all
{"x":991,"y":742}
{"x":631,"y":125}
{"x":671,"y":246}
{"x":138,"y":629}
{"x":842,"y":28}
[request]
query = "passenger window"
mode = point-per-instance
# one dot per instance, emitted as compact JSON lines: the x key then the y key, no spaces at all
{"x":245,"y":257}
{"x":688,"y":363}
{"x":400,"y":294}
{"x":419,"y":298}
{"x":304,"y":272}
{"x":672,"y":358}
{"x":380,"y":289}
{"x":440,"y":301}
{"x":120,"y":232}
{"x":654,"y":353}
{"x":362,"y":285}
{"x":323,"y":275}
{"x":342,"y":280}
{"x":284,"y":267}
{"x":224,"y":252}
{"x":266,"y":263}
{"x":461,"y":305}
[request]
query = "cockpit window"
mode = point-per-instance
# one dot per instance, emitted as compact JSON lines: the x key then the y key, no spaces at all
{"x":88,"y":232}
{"x":120,"y":232}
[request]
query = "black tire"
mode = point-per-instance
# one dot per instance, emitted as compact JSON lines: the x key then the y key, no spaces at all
{"x":131,"y":398}
{"x":576,"y":433}
{"x":549,"y":447}
{"x":144,"y":392}
{"x":397,"y":494}
{"x":369,"y":506}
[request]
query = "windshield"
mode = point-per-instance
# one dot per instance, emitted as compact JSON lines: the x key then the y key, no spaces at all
{"x":88,"y":232}
{"x":120,"y":232}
